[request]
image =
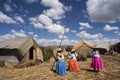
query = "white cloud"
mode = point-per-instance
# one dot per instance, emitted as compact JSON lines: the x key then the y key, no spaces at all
{"x":55,"y":12}
{"x":31,"y":33}
{"x":57,"y":9}
{"x":84,"y":25}
{"x":6,"y":37}
{"x":17,"y":34}
{"x":35,"y":35}
{"x":117,"y":32}
{"x":52,"y":3}
{"x":56,"y":29}
{"x":73,"y":31}
{"x":7,"y":7}
{"x":108,"y":28}
{"x":41,"y":20}
{"x":68,"y":8}
{"x":30,"y":1}
{"x":6,"y":19}
{"x":47,"y":42}
{"x":62,"y":37}
{"x":103,"y":10}
{"x":20,"y":33}
{"x":37,"y":25}
{"x":13,"y":34}
{"x":44,"y":22}
{"x":19,"y":19}
{"x":85,"y":35}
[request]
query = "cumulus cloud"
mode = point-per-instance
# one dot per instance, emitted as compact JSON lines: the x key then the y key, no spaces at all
{"x":6,"y":19}
{"x":57,"y":9}
{"x":20,"y":33}
{"x":31,"y":1}
{"x":42,"y":20}
{"x":109,"y":28}
{"x":35,"y":35}
{"x":31,"y":33}
{"x":73,"y":31}
{"x":85,"y":35}
{"x":6,"y":37}
{"x":19,"y":19}
{"x":54,"y":14}
{"x":7,"y":7}
{"x":37,"y":25}
{"x":103,"y":10}
{"x":47,"y":42}
{"x":56,"y":29}
{"x":62,"y":37}
{"x":52,"y":3}
{"x":117,"y":32}
{"x":84,"y":25}
{"x":46,"y":20}
{"x":96,"y":38}
{"x":13,"y":34}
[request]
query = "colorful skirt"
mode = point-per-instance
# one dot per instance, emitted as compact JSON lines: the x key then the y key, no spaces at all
{"x":73,"y":66}
{"x":60,"y":67}
{"x":97,"y":63}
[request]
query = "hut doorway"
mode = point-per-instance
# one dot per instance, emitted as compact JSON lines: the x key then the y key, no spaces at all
{"x":31,"y":53}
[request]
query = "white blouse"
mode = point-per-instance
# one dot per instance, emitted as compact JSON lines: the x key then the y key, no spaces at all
{"x":60,"y":58}
{"x":73,"y":56}
{"x":96,"y":54}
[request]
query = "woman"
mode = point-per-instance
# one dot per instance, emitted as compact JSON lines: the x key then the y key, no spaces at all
{"x":60,"y":65}
{"x":73,"y":63}
{"x":97,"y":62}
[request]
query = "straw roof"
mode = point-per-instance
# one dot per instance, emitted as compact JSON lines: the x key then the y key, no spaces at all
{"x":81,"y":44}
{"x":105,"y":46}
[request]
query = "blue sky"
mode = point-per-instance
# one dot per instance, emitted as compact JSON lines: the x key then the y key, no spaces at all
{"x":97,"y":21}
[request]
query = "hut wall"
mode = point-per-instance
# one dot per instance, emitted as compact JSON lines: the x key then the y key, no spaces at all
{"x":84,"y":50}
{"x":25,"y":58}
{"x":9,"y":55}
{"x":39,"y":54}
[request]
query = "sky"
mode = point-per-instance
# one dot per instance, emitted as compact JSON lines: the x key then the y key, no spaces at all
{"x":50,"y":21}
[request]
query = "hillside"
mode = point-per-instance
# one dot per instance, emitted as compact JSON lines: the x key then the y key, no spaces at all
{"x":43,"y":72}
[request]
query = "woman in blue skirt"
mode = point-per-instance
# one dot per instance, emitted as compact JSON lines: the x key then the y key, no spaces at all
{"x":60,"y":65}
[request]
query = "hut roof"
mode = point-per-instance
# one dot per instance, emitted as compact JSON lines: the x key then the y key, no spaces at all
{"x":82,"y":43}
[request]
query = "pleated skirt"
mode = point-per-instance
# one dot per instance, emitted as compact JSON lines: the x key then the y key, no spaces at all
{"x":74,"y":66}
{"x":61,"y":67}
{"x":97,"y":63}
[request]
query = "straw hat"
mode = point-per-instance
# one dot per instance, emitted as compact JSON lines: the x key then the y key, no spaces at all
{"x":59,"y":49}
{"x":73,"y":50}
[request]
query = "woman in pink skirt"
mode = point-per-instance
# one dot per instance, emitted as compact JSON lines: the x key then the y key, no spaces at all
{"x":97,"y":62}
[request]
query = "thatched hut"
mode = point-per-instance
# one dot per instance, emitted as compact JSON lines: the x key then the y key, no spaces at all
{"x":20,"y":50}
{"x":83,"y":47}
{"x":103,"y":48}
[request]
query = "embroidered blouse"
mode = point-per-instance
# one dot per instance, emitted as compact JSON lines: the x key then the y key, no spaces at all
{"x":96,"y":54}
{"x":60,"y":56}
{"x":73,"y":56}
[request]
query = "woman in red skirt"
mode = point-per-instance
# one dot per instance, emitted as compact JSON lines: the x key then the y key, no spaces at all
{"x":73,"y":63}
{"x":97,"y":62}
